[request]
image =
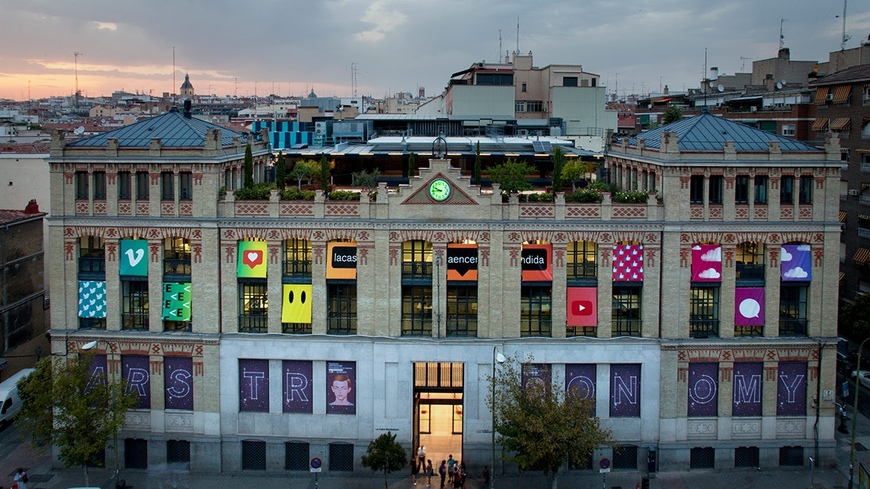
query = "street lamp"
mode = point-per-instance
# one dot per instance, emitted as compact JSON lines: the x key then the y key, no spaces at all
{"x":855,"y":414}
{"x":496,"y":357}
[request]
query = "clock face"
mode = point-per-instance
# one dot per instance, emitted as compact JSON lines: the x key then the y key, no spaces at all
{"x":439,"y":190}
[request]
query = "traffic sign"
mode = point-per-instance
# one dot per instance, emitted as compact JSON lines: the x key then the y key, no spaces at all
{"x":316,"y":464}
{"x":604,"y":465}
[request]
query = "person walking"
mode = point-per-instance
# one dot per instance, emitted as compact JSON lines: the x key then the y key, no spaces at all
{"x":463,"y":473}
{"x":485,"y":477}
{"x":429,"y":472}
{"x":415,"y":469}
{"x":21,"y":478}
{"x":450,"y":464}
{"x":442,"y":471}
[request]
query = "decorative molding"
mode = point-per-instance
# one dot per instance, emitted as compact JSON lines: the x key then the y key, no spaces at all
{"x":791,"y":428}
{"x":178,"y":422}
{"x":745,"y":428}
{"x":697,"y":429}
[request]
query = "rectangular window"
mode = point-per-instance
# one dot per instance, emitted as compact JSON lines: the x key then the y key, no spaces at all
{"x":696,"y":189}
{"x":135,"y":453}
{"x":167,"y":187}
{"x":793,"y":310}
{"x":92,"y":258}
{"x":495,"y":79}
{"x":786,"y":190}
{"x":535,"y":106}
{"x":417,"y":260}
{"x":462,"y":310}
{"x":253,"y":306}
{"x":185,"y":186}
{"x":178,"y":454}
{"x":791,"y":456}
{"x":296,"y":456}
{"x":253,"y":455}
{"x":625,"y":457}
{"x":82,"y":190}
{"x":524,"y":87}
{"x":569,"y":81}
{"x":741,"y":189}
{"x":124,"y":185}
{"x":750,"y":264}
{"x":176,"y":260}
{"x":582,"y":265}
{"x":297,"y":260}
{"x":702,"y":458}
{"x":746,"y":457}
{"x":761,"y":189}
{"x":416,"y":310}
{"x":519,"y":106}
{"x":626,"y":311}
{"x":805,"y":195}
{"x":340,"y":308}
{"x":142,"y":186}
{"x":704,"y":312}
{"x":788,"y":130}
{"x":99,"y":185}
{"x":134,"y":304}
{"x":715,"y":194}
{"x":535,"y":319}
{"x":341,"y":457}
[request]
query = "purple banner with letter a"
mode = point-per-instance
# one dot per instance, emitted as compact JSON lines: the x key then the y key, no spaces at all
{"x":703,"y":389}
{"x":747,"y":389}
{"x":98,"y":373}
{"x":297,"y":386}
{"x":625,"y":390}
{"x":254,"y":386}
{"x":134,"y":369}
{"x":791,"y":389}
{"x":179,"y":382}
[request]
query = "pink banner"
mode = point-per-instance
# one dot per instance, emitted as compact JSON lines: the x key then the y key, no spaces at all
{"x":628,"y":263}
{"x":706,"y":263}
{"x":749,"y":306}
{"x":582,"y":306}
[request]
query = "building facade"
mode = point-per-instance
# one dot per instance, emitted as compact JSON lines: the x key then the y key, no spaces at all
{"x":262,"y":334}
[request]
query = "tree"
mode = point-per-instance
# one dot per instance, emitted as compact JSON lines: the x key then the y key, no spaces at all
{"x":281,"y":172}
{"x":573,"y":171}
{"x":385,"y":454}
{"x":511,"y":176}
{"x":477,"y":165}
{"x":304,"y":170}
{"x":855,"y":319}
{"x":558,"y":164}
{"x":68,"y":406}
{"x":366,"y":179}
{"x":672,"y":114}
{"x":249,"y":167}
{"x":542,"y":426}
{"x":324,"y":173}
{"x":412,"y":165}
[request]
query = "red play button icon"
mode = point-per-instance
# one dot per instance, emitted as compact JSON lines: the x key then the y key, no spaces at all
{"x":581,"y":308}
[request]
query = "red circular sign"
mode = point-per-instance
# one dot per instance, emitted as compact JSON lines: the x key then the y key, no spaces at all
{"x":316,"y":463}
{"x":604,"y":463}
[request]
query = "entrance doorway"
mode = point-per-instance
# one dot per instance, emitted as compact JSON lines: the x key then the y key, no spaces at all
{"x":438,"y":410}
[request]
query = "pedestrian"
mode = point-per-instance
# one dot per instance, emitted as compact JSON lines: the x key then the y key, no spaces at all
{"x":458,"y":480}
{"x":414,"y":470}
{"x":429,"y":472}
{"x":463,"y":473}
{"x":450,"y":464}
{"x":485,"y":477}
{"x":421,"y":457}
{"x":442,"y":471}
{"x":21,"y":478}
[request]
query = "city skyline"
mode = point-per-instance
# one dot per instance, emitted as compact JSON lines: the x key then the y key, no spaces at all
{"x":383,"y":47}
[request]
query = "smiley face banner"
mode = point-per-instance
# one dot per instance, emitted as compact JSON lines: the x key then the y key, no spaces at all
{"x":296,"y":307}
{"x":252,"y":259}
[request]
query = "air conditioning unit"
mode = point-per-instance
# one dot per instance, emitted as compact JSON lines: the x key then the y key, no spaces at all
{"x":853,"y":192}
{"x":829,"y":97}
{"x":320,"y":128}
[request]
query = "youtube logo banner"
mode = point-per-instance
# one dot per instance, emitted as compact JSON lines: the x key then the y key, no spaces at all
{"x":582,"y":306}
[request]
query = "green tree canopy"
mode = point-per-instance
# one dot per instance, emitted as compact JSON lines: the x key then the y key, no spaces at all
{"x":572,"y":171}
{"x":281,"y":171}
{"x":385,"y":454}
{"x":542,"y":426}
{"x":672,"y":114}
{"x":248,"y":169}
{"x":558,"y":165}
{"x":855,"y":319}
{"x":477,"y":165}
{"x":511,"y":176}
{"x":304,"y":170}
{"x":366,"y":179}
{"x":324,"y":173}
{"x":67,"y":406}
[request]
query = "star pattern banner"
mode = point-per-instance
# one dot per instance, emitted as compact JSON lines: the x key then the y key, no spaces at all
{"x":625,"y":390}
{"x":298,"y":388}
{"x":92,"y":299}
{"x":628,"y":263}
{"x":253,"y":386}
{"x":133,"y":260}
{"x":252,"y":259}
{"x":296,"y":307}
{"x":747,"y":389}
{"x":176,"y":301}
{"x":791,"y":389}
{"x":703,"y":389}
{"x":580,"y":379}
{"x":179,"y":382}
{"x":706,"y":263}
{"x":796,"y":263}
{"x":134,"y":370}
{"x":582,"y":306}
{"x":749,"y":306}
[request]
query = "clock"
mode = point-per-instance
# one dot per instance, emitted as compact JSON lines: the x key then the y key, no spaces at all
{"x":439,"y":190}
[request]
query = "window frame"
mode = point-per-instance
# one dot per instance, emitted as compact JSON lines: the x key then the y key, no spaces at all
{"x":704,"y":311}
{"x":786,"y":190}
{"x":253,"y":319}
{"x":167,"y":186}
{"x":805,"y":189}
{"x":416,"y":321}
{"x":185,"y":186}
{"x":741,"y":190}
{"x":794,"y":299}
{"x":581,"y":263}
{"x":341,"y":308}
{"x":124,"y":188}
{"x":82,"y":186}
{"x":143,"y":186}
{"x":536,"y":310}
{"x":760,"y":190}
{"x":624,"y":322}
{"x":99,"y":178}
{"x":462,"y":299}
{"x":696,"y":189}
{"x":134,"y":305}
{"x":715,"y":194}
{"x":297,"y":262}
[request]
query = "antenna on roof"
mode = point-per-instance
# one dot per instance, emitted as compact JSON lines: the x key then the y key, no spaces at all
{"x":845,"y":37}
{"x":781,"y":36}
{"x":517,"y":52}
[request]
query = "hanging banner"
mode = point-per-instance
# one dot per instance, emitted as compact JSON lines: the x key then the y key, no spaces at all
{"x":98,"y":372}
{"x":749,"y":306}
{"x":625,"y":390}
{"x":628,"y":263}
{"x":537,"y":263}
{"x":298,"y":390}
{"x":341,"y":262}
{"x":582,"y":306}
{"x":252,"y":259}
{"x":340,"y":385}
{"x":92,"y":299}
{"x":133,"y":260}
{"x":706,"y":263}
{"x":135,"y":371}
{"x":747,"y":389}
{"x":580,"y":379}
{"x":703,"y":389}
{"x":796,"y":263}
{"x":461,"y":262}
{"x":178,"y":372}
{"x":537,"y":374}
{"x":296,"y":306}
{"x":176,"y":301}
{"x":791,"y":389}
{"x":253,"y":386}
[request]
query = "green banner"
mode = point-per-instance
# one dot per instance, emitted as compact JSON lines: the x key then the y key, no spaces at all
{"x":134,"y":257}
{"x":176,"y":302}
{"x":252,"y":259}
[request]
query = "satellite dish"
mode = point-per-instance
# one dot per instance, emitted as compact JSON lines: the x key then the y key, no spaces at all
{"x":711,"y":85}
{"x":720,"y":88}
{"x":79,"y":130}
{"x":778,"y":86}
{"x":783,"y":82}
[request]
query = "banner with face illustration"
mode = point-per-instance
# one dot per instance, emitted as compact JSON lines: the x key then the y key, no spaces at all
{"x":796,"y":263}
{"x":703,"y":389}
{"x":706,"y":263}
{"x":749,"y":306}
{"x":340,"y":388}
{"x":134,"y":258}
{"x":296,"y":306}
{"x":135,"y":371}
{"x":298,"y":389}
{"x":178,"y":372}
{"x":92,"y":299}
{"x":252,"y":259}
{"x":253,"y":386}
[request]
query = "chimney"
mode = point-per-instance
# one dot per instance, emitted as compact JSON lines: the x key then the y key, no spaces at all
{"x":32,"y":207}
{"x":784,"y":53}
{"x":187,"y":105}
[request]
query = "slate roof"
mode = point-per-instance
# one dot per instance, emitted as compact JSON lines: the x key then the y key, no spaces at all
{"x":849,"y":75}
{"x":707,"y":132}
{"x":173,"y":128}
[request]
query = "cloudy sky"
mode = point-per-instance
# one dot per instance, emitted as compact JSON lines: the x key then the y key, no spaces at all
{"x":289,"y":47}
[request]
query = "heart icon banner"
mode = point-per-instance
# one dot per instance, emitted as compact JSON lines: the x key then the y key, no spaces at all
{"x":252,"y":259}
{"x":92,"y":299}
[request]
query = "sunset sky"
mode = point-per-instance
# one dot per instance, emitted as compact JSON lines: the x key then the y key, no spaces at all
{"x":289,"y":47}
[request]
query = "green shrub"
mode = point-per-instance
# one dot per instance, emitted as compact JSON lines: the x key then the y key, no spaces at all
{"x":584,"y":195}
{"x":259,"y":191}
{"x":343,"y":195}
{"x":295,"y":194}
{"x":631,"y":197}
{"x":602,"y":187}
{"x":542,"y":197}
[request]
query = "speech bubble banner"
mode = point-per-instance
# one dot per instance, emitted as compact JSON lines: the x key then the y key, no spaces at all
{"x":749,"y":306}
